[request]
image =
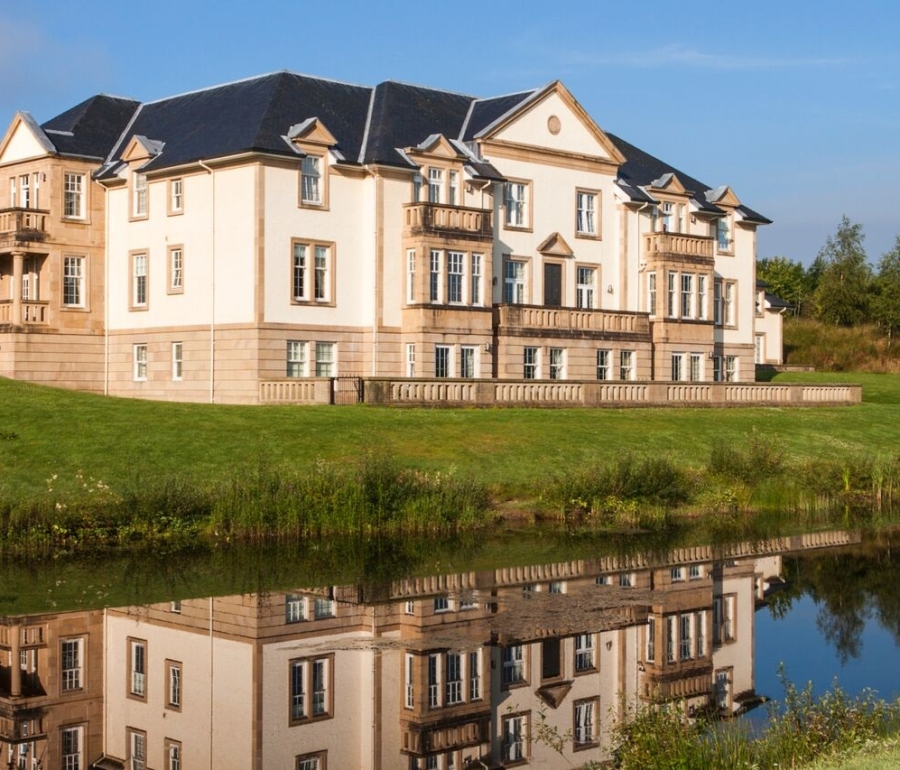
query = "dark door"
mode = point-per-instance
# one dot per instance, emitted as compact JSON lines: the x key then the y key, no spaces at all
{"x":552,"y":285}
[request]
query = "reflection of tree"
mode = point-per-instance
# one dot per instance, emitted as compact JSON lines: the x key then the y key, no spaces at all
{"x":849,"y":588}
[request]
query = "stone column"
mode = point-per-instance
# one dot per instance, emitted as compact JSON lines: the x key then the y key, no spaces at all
{"x":15,"y":668}
{"x":18,"y":271}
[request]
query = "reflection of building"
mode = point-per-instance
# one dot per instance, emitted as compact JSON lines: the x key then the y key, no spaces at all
{"x":435,"y":672}
{"x":238,"y":242}
{"x":51,"y":690}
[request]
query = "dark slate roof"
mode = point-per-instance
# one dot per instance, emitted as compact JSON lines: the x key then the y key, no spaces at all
{"x":486,"y":111}
{"x":90,"y":129}
{"x":248,"y":115}
{"x":641,"y":169}
{"x":405,"y":115}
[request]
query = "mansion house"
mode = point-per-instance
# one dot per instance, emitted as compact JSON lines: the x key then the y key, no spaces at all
{"x":211,"y":245}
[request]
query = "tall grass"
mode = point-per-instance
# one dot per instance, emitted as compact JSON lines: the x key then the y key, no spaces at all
{"x":831,"y":348}
{"x":800,"y":729}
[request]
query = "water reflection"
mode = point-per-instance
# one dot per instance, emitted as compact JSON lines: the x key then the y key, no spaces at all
{"x":449,"y":671}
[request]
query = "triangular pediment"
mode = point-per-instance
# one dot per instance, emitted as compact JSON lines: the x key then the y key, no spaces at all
{"x":312,"y":131}
{"x":670,"y":183}
{"x":723,"y":196}
{"x":554,"y":694}
{"x":141,"y":148}
{"x":555,"y":246}
{"x":552,"y":119}
{"x":24,"y":139}
{"x":435,"y":146}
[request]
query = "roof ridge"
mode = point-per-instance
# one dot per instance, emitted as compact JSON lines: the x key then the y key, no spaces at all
{"x":425,"y":88}
{"x":364,"y":145}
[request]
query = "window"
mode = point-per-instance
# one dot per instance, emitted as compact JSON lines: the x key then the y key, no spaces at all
{"x":677,"y":366}
{"x":435,"y":278}
{"x":137,"y":750}
{"x":325,"y":359}
{"x":70,"y":748}
{"x":651,"y":293}
{"x":584,"y":652}
{"x":467,"y":361}
{"x":454,"y":679}
{"x":701,"y":298}
{"x":723,"y":618}
{"x":310,"y":684}
{"x":513,"y":665}
{"x":452,"y":187}
{"x":434,"y":681}
{"x":173,"y":685}
{"x":441,"y":604}
{"x":626,"y":580}
{"x":435,"y":185}
{"x":455,"y":276}
{"x":670,"y":638}
{"x":411,"y":276}
{"x":296,"y":359}
{"x":173,"y":755}
{"x":671,"y":307}
{"x":583,"y":723}
{"x":728,"y":303}
{"x":314,"y":761}
{"x":73,"y":281}
{"x":626,"y":365}
{"x":686,"y":643}
{"x":323,"y":608}
{"x":676,"y":574}
{"x":315,"y":258}
{"x":687,"y":295}
{"x":515,"y":204}
{"x":139,"y":281}
{"x":418,"y":181}
{"x":667,"y":211}
{"x":138,"y":664}
{"x":586,"y":217}
{"x":730,"y":373}
{"x":650,"y":652}
{"x":310,"y":180}
{"x":176,"y":270}
{"x":700,"y":632}
{"x":557,"y":363}
{"x":530,"y":363}
{"x":73,"y":196}
{"x":177,"y":360}
{"x":696,"y":367}
{"x":551,"y":658}
{"x":695,"y":572}
{"x":475,"y":675}
{"x":723,"y":233}
{"x":409,"y":678}
{"x":514,"y":281}
{"x":514,"y":738}
{"x":140,"y":362}
{"x":139,"y":195}
{"x":717,"y":369}
{"x":31,"y":278}
{"x":442,"y":360}
{"x":71,"y":655}
{"x":475,"y":290}
{"x":717,"y":303}
{"x":585,"y":292}
{"x":12,"y":192}
{"x":603,"y":372}
{"x":410,"y":359}
{"x":25,"y":191}
{"x":176,"y":196}
{"x":175,"y":606}
{"x":294,"y":608}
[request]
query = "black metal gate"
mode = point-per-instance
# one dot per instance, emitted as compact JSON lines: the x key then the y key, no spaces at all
{"x":346,"y":390}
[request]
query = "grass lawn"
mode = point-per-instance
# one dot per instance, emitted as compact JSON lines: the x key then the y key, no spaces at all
{"x":876,"y":758}
{"x":45,"y":432}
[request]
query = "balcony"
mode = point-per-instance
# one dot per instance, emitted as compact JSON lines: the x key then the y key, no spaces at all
{"x":448,"y":221}
{"x":547,"y":320}
{"x":697,"y":249}
{"x":23,"y":226}
{"x":33,"y":313}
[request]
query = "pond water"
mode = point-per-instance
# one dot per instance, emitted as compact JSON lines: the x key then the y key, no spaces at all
{"x":473,"y":652}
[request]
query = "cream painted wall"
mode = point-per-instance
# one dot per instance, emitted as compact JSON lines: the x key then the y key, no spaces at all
{"x":531,"y":128}
{"x":22,"y":145}
{"x":223,"y":710}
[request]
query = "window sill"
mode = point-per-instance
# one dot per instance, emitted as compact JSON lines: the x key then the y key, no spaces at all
{"x":313,"y":303}
{"x":589,"y":236}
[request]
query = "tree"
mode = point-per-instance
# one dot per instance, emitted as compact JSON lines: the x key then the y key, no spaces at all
{"x":785,"y":278}
{"x":886,"y":300}
{"x":842,"y":296}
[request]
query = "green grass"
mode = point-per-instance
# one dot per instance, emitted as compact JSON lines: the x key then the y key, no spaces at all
{"x":127,"y":443}
{"x":875,"y":757}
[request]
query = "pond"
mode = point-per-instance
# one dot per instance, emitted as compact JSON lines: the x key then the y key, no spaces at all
{"x":468,"y":652}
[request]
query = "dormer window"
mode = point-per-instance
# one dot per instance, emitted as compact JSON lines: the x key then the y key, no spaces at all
{"x":139,"y":195}
{"x":310,"y":180}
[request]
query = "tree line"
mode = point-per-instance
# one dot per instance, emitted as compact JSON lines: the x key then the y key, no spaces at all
{"x":840,"y":287}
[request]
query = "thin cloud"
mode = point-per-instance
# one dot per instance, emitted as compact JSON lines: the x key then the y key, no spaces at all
{"x":681,"y":55}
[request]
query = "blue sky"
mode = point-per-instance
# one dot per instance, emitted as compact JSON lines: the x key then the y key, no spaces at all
{"x":796,"y":105}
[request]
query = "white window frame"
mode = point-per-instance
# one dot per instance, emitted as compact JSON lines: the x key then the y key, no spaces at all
{"x":586,"y":292}
{"x":514,"y":738}
{"x":695,"y":371}
{"x":557,"y":363}
{"x":513,"y":665}
{"x":687,"y":295}
{"x":73,"y":195}
{"x":584,"y":652}
{"x":140,"y":362}
{"x":177,"y":361}
{"x":311,"y":180}
{"x":312,"y":270}
{"x":140,"y":280}
{"x":626,"y":365}
{"x":586,"y":211}
{"x":73,"y":281}
{"x":474,"y":675}
{"x":410,"y":276}
{"x":583,"y":722}
{"x":296,"y":359}
{"x":409,"y":678}
{"x":436,"y":276}
{"x":173,"y":684}
{"x":443,"y":361}
{"x":456,"y":266}
{"x":326,"y":359}
{"x":531,"y":363}
{"x":514,"y":281}
{"x":678,"y":367}
{"x":71,"y":748}
{"x":435,"y":185}
{"x":176,"y":269}
{"x":176,"y":196}
{"x":672,"y":295}
{"x":468,"y":361}
{"x":72,"y":664}
{"x":651,"y":294}
{"x":702,"y":312}
{"x":603,"y":364}
{"x":515,"y":204}
{"x":140,"y":195}
{"x":475,"y":288}
{"x":410,"y":359}
{"x":138,"y":665}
